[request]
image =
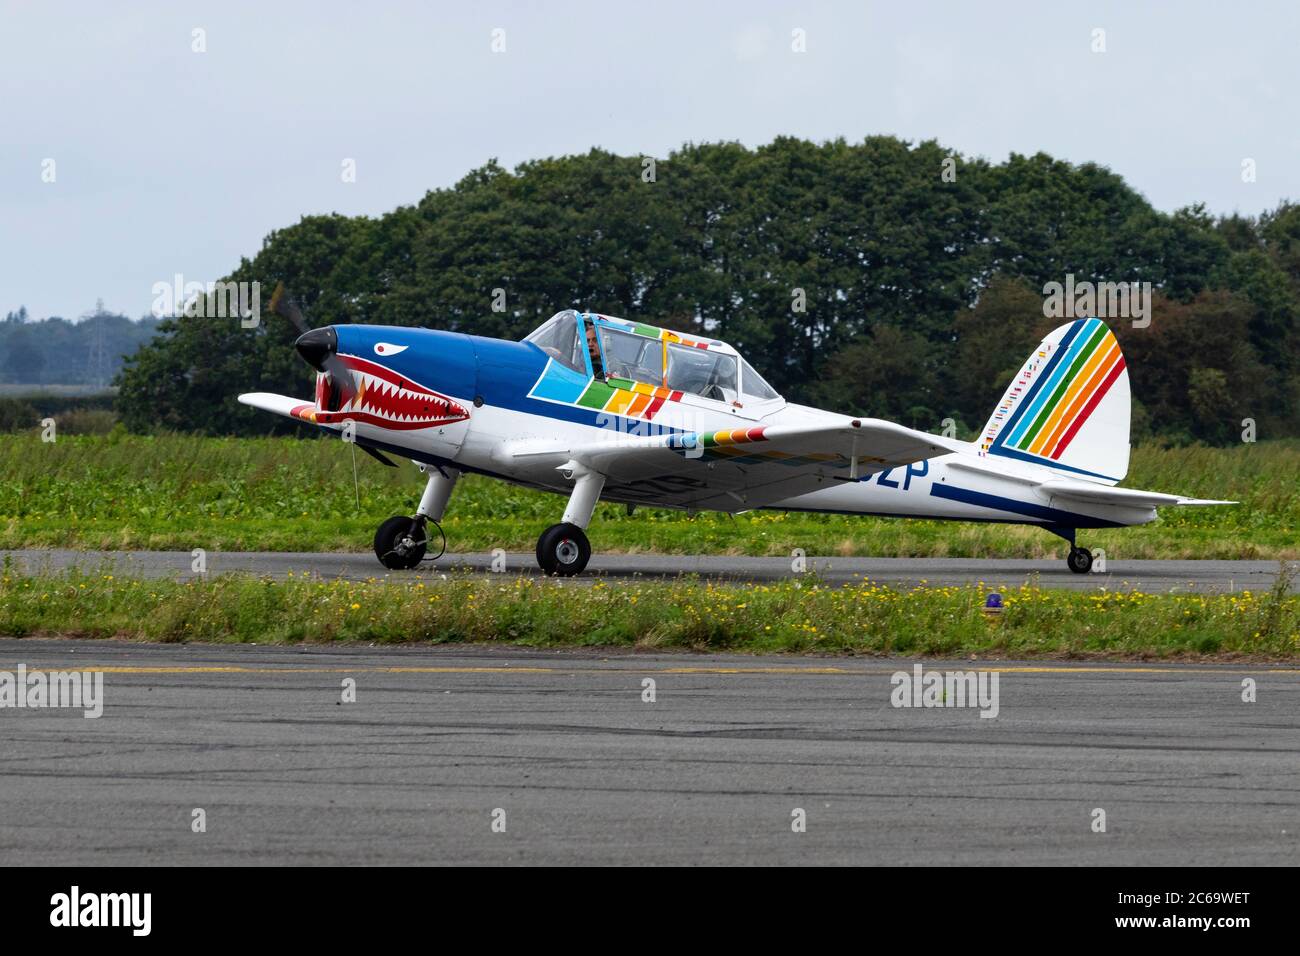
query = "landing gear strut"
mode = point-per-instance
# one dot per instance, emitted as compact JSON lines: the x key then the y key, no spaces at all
{"x":1080,"y":559}
{"x":401,"y":542}
{"x":563,"y":549}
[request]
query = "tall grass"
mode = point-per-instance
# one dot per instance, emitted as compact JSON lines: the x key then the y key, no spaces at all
{"x":181,"y":491}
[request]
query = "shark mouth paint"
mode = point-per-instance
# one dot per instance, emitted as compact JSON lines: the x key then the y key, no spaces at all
{"x":382,"y":398}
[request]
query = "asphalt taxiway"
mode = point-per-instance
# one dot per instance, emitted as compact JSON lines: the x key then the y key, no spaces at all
{"x":1147,"y":576}
{"x":567,"y":754}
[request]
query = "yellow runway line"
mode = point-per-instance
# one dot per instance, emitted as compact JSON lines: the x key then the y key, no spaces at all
{"x":650,"y":669}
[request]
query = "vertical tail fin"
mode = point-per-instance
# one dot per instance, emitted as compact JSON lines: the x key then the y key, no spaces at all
{"x":1068,"y":406}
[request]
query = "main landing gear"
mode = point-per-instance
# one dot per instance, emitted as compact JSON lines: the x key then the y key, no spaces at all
{"x":563,"y":549}
{"x":401,"y":542}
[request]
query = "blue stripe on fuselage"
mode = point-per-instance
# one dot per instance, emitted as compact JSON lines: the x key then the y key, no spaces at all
{"x":1043,"y":513}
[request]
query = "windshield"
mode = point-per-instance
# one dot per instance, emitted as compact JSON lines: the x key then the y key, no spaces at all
{"x":753,"y":385}
{"x":558,"y":338}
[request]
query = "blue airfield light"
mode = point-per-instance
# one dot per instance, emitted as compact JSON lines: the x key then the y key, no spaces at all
{"x":993,"y":605}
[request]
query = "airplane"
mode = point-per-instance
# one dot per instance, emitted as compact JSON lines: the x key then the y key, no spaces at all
{"x":595,"y":407}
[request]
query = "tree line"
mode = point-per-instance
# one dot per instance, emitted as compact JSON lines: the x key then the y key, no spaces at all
{"x":55,"y":351}
{"x":883,"y":278}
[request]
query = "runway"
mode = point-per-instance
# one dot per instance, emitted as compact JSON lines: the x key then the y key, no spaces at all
{"x":564,"y":749}
{"x":1146,"y":576}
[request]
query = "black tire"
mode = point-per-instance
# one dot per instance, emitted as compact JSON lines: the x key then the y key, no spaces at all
{"x":1080,"y":560}
{"x":390,"y":549}
{"x":563,"y":550}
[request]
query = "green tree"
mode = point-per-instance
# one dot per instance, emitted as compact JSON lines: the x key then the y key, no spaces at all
{"x":814,"y":259}
{"x":890,"y":373}
{"x":993,"y":339}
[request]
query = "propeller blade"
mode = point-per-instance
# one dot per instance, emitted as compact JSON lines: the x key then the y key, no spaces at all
{"x":342,"y":378}
{"x":282,"y":304}
{"x":318,"y":347}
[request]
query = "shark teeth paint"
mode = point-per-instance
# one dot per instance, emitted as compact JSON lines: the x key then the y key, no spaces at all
{"x":388,"y":400}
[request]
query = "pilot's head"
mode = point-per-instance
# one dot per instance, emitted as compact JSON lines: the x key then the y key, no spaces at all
{"x":593,"y":348}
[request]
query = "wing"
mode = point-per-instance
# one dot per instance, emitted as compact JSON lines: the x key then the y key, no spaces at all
{"x":743,"y":468}
{"x":280,"y":405}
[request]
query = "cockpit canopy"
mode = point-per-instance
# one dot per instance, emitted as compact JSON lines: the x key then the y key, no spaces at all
{"x":613,"y":348}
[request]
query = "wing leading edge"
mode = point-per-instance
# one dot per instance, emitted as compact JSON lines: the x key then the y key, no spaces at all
{"x":280,"y":405}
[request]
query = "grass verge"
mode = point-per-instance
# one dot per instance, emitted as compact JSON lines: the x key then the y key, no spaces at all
{"x":803,"y":616}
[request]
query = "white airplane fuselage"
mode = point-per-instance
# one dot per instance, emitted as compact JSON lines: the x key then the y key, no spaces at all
{"x":538,"y":414}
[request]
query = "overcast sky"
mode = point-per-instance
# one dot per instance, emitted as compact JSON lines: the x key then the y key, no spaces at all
{"x":170,"y":161}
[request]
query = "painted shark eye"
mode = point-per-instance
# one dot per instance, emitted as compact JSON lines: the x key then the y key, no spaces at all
{"x":384,"y":348}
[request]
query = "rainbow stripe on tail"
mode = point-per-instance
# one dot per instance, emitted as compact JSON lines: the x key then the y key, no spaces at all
{"x":1068,"y":408}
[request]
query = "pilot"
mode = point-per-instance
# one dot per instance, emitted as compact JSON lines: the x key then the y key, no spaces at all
{"x":593,"y":349}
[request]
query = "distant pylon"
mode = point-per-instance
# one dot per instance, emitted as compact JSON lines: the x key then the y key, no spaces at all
{"x":97,"y":360}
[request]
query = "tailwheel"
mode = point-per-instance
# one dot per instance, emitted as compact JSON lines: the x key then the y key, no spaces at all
{"x":400,"y":543}
{"x":1080,"y":560}
{"x":563,"y":549}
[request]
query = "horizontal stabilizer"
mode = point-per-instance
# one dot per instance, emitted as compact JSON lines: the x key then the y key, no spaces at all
{"x":1094,"y":493}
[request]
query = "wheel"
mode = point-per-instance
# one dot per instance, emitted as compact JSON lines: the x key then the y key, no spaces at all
{"x":1080,"y":560}
{"x":563,"y":549}
{"x":400,"y":543}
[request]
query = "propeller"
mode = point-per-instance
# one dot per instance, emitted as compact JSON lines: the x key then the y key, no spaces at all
{"x":318,"y":347}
